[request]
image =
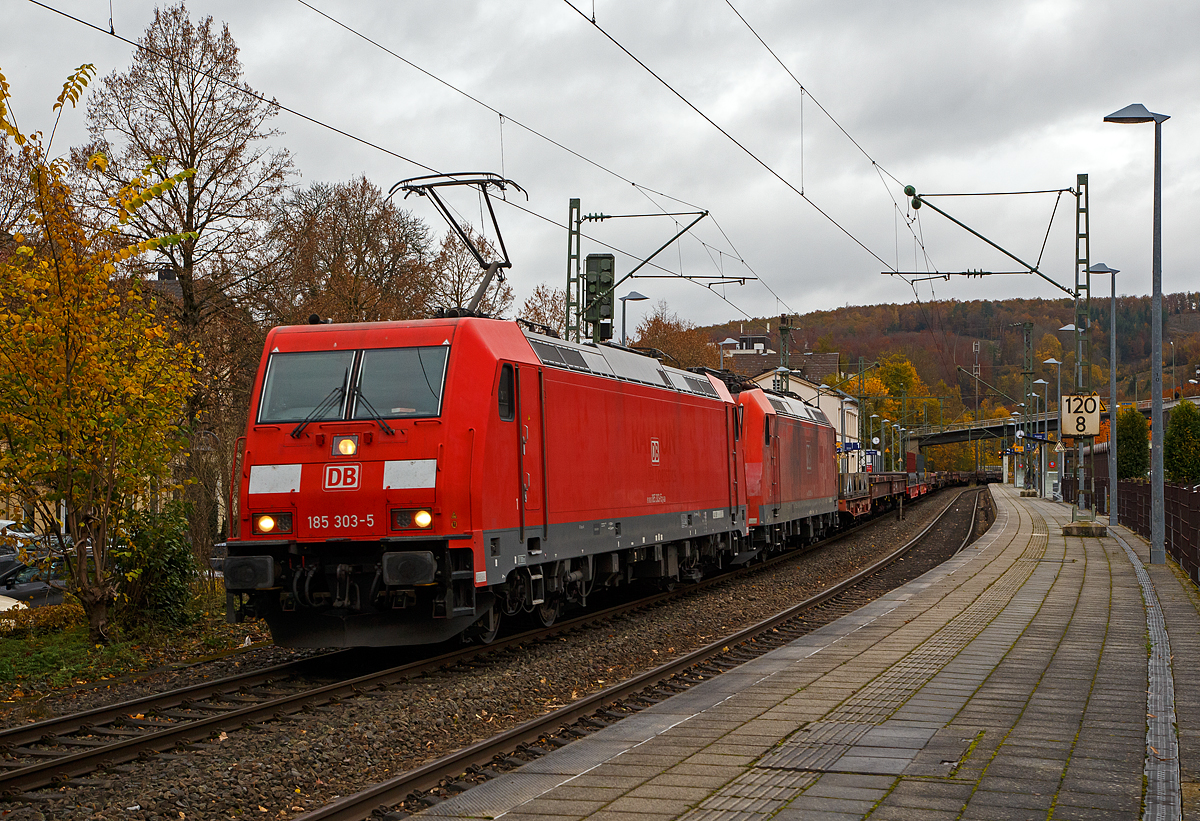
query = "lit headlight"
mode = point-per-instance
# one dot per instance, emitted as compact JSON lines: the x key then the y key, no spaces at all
{"x":411,"y":519}
{"x":265,"y":523}
{"x":345,"y":445}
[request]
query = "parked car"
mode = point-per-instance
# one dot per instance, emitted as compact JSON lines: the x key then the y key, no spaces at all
{"x":31,"y":584}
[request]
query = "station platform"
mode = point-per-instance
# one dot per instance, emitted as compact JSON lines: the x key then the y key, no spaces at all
{"x":1032,"y":676}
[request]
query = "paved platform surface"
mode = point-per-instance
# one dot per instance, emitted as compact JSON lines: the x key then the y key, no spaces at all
{"x":1033,"y":676}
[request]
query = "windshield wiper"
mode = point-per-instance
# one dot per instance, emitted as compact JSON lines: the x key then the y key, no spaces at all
{"x":376,"y":415}
{"x":328,"y":402}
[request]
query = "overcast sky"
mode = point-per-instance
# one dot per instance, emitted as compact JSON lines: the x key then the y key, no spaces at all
{"x":948,"y":97}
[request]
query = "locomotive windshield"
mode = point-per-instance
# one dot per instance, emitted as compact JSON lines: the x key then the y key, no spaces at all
{"x":401,"y":382}
{"x":298,"y":383}
{"x":391,"y":382}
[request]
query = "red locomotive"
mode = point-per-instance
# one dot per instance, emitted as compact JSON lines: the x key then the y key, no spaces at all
{"x":407,"y":482}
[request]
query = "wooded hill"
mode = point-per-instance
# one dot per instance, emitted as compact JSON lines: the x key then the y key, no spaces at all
{"x":937,"y":338}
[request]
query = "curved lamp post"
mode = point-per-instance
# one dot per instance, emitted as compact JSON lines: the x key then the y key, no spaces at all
{"x":1101,"y":268}
{"x":636,"y":297}
{"x":721,"y":345}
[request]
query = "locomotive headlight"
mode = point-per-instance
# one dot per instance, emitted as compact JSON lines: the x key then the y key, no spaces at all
{"x":345,"y":445}
{"x":411,"y":519}
{"x":265,"y":523}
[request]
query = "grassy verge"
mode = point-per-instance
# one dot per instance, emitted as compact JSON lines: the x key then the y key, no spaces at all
{"x":55,"y":653}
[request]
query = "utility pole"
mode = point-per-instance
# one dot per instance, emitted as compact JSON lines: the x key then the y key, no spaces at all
{"x":1083,"y":322}
{"x":1027,"y":374}
{"x":574,"y":279}
{"x":975,"y":373}
{"x":785,"y":338}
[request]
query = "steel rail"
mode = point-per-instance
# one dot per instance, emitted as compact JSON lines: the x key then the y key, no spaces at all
{"x":55,"y":731}
{"x":360,"y":805}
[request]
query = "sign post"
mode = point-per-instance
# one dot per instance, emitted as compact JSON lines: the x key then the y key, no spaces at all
{"x":1080,"y":418}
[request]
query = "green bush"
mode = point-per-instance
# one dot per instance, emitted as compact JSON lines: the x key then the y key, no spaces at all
{"x":42,"y":619}
{"x":1133,"y":444}
{"x":1181,"y":445}
{"x":157,"y":568}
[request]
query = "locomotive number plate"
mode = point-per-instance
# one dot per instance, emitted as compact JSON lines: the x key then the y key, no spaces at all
{"x":341,"y":521}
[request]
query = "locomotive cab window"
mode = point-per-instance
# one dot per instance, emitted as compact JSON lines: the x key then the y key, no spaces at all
{"x":504,"y":394}
{"x":397,"y":382}
{"x":299,"y":385}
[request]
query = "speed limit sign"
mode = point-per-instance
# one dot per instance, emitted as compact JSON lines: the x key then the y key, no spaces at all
{"x":1080,"y":414}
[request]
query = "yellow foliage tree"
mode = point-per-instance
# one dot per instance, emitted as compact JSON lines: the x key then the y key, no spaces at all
{"x":91,"y":389}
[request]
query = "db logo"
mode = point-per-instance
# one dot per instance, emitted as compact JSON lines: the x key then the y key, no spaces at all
{"x":655,"y":452}
{"x":342,"y":477}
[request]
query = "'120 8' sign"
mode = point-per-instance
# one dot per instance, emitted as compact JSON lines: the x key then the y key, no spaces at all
{"x":1080,"y":414}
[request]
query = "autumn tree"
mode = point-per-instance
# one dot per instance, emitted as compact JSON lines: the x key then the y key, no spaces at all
{"x":346,"y":252}
{"x":546,"y":306}
{"x":183,"y":104}
{"x":457,"y":275}
{"x":685,"y":345}
{"x":15,"y":192}
{"x":1133,"y":444}
{"x":1181,"y":445}
{"x":91,"y":385}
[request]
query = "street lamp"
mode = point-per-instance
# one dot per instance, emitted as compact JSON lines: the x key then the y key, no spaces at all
{"x":1138,"y":113}
{"x":1172,"y":341}
{"x":636,"y":297}
{"x":874,"y":440}
{"x":1101,"y":268}
{"x":883,"y":429}
{"x":721,"y":345}
{"x":1045,"y":428}
{"x":895,"y":439}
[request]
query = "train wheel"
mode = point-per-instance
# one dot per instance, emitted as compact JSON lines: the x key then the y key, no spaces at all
{"x":547,"y":612}
{"x":484,"y":631}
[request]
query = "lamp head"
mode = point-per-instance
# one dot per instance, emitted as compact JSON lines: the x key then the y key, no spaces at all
{"x":633,"y":295}
{"x":1101,"y":268}
{"x":1051,"y":361}
{"x":1135,"y":113}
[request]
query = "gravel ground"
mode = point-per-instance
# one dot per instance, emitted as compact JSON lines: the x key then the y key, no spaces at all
{"x":290,"y":766}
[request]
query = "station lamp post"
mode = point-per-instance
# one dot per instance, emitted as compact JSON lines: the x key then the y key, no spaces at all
{"x":871,"y":438}
{"x":895,"y":439}
{"x":1015,"y":417}
{"x":1101,"y":268}
{"x":1058,"y":425}
{"x":1045,"y":430}
{"x":636,"y":297}
{"x":1138,"y":113}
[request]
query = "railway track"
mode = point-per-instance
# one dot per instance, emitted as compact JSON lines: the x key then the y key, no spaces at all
{"x":66,"y":749}
{"x":601,"y":708}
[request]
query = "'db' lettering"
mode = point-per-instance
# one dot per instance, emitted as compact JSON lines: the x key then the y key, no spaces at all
{"x":341,"y":477}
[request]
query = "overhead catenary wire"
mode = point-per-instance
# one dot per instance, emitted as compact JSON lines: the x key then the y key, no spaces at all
{"x":319,"y":123}
{"x":644,"y":190}
{"x":727,"y":135}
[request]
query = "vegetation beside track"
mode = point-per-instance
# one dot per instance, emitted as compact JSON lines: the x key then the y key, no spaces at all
{"x":46,"y":649}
